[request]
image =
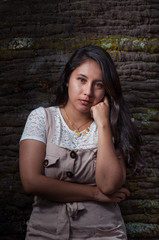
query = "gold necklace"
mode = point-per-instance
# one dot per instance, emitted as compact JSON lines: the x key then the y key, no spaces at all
{"x":84,"y":132}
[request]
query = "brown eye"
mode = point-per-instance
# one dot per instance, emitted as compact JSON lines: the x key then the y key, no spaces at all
{"x":99,"y":85}
{"x":82,"y":80}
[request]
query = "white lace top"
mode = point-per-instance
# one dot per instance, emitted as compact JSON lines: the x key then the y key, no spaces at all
{"x":35,"y":128}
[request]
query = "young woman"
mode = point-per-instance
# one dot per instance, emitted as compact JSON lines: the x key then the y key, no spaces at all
{"x":73,"y":155}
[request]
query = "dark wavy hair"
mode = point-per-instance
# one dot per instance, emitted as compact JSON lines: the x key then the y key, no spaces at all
{"x":125,"y":134}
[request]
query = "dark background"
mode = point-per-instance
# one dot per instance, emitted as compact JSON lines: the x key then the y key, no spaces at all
{"x":36,"y":40}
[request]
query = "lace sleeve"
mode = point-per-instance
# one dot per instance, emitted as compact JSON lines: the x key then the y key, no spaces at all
{"x":35,"y":127}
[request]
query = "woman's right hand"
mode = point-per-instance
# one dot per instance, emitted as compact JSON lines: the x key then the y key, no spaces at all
{"x":118,"y":196}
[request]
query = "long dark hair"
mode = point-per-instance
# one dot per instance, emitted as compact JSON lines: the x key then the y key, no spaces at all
{"x":124,"y":132}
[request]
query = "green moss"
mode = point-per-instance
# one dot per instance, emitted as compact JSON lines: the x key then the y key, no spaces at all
{"x":78,"y":45}
{"x":58,"y":44}
{"x":155,"y":49}
{"x":7,"y":48}
{"x":147,"y":115}
{"x":148,"y":204}
{"x":129,"y":44}
{"x":111,"y":44}
{"x":142,"y":230}
{"x":145,"y":218}
{"x":20,"y":43}
{"x":133,"y":186}
{"x":36,"y":45}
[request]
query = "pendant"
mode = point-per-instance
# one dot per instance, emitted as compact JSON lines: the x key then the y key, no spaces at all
{"x":78,"y":133}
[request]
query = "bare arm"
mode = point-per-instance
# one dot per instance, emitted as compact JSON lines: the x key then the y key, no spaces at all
{"x":110,"y":166}
{"x":32,"y":155}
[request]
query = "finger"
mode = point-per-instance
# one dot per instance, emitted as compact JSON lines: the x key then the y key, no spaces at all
{"x":117,"y":199}
{"x":121,"y":196}
{"x":125,"y":190}
{"x":105,"y":100}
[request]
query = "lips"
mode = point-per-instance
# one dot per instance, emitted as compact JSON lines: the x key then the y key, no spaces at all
{"x":85,"y":102}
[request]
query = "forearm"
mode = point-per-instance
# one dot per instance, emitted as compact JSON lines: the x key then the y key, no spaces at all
{"x":109,"y":172}
{"x":59,"y":191}
{"x":32,"y":155}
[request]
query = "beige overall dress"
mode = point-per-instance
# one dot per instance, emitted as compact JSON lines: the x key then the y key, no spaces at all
{"x":78,"y":220}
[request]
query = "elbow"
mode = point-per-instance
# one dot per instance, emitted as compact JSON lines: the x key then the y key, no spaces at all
{"x":108,"y":188}
{"x":28,"y":188}
{"x":29,"y":184}
{"x":32,"y":184}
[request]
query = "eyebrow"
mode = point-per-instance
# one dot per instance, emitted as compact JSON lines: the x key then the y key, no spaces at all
{"x":82,"y":75}
{"x":98,"y":80}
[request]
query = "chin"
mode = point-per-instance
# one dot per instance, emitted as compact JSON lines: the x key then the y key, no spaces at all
{"x":84,"y":110}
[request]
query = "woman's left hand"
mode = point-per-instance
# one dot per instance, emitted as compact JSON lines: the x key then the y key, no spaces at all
{"x":100,"y":112}
{"x":117,"y":196}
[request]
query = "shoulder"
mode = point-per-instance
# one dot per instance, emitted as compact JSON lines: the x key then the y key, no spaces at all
{"x":41,"y":112}
{"x":36,"y":114}
{"x":54,"y":110}
{"x":35,"y":127}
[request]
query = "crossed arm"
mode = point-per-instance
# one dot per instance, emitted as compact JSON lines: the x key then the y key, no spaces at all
{"x":32,"y":155}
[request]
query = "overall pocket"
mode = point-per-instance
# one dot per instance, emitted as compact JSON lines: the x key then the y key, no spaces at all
{"x":52,"y":166}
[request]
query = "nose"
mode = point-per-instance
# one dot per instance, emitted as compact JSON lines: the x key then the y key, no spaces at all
{"x":88,"y":90}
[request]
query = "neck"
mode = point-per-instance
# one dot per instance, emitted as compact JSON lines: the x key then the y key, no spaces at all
{"x":77,"y":116}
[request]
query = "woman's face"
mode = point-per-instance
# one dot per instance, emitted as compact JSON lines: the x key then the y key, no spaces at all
{"x":85,"y":86}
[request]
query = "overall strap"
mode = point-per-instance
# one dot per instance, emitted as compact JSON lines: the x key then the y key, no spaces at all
{"x":49,"y":124}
